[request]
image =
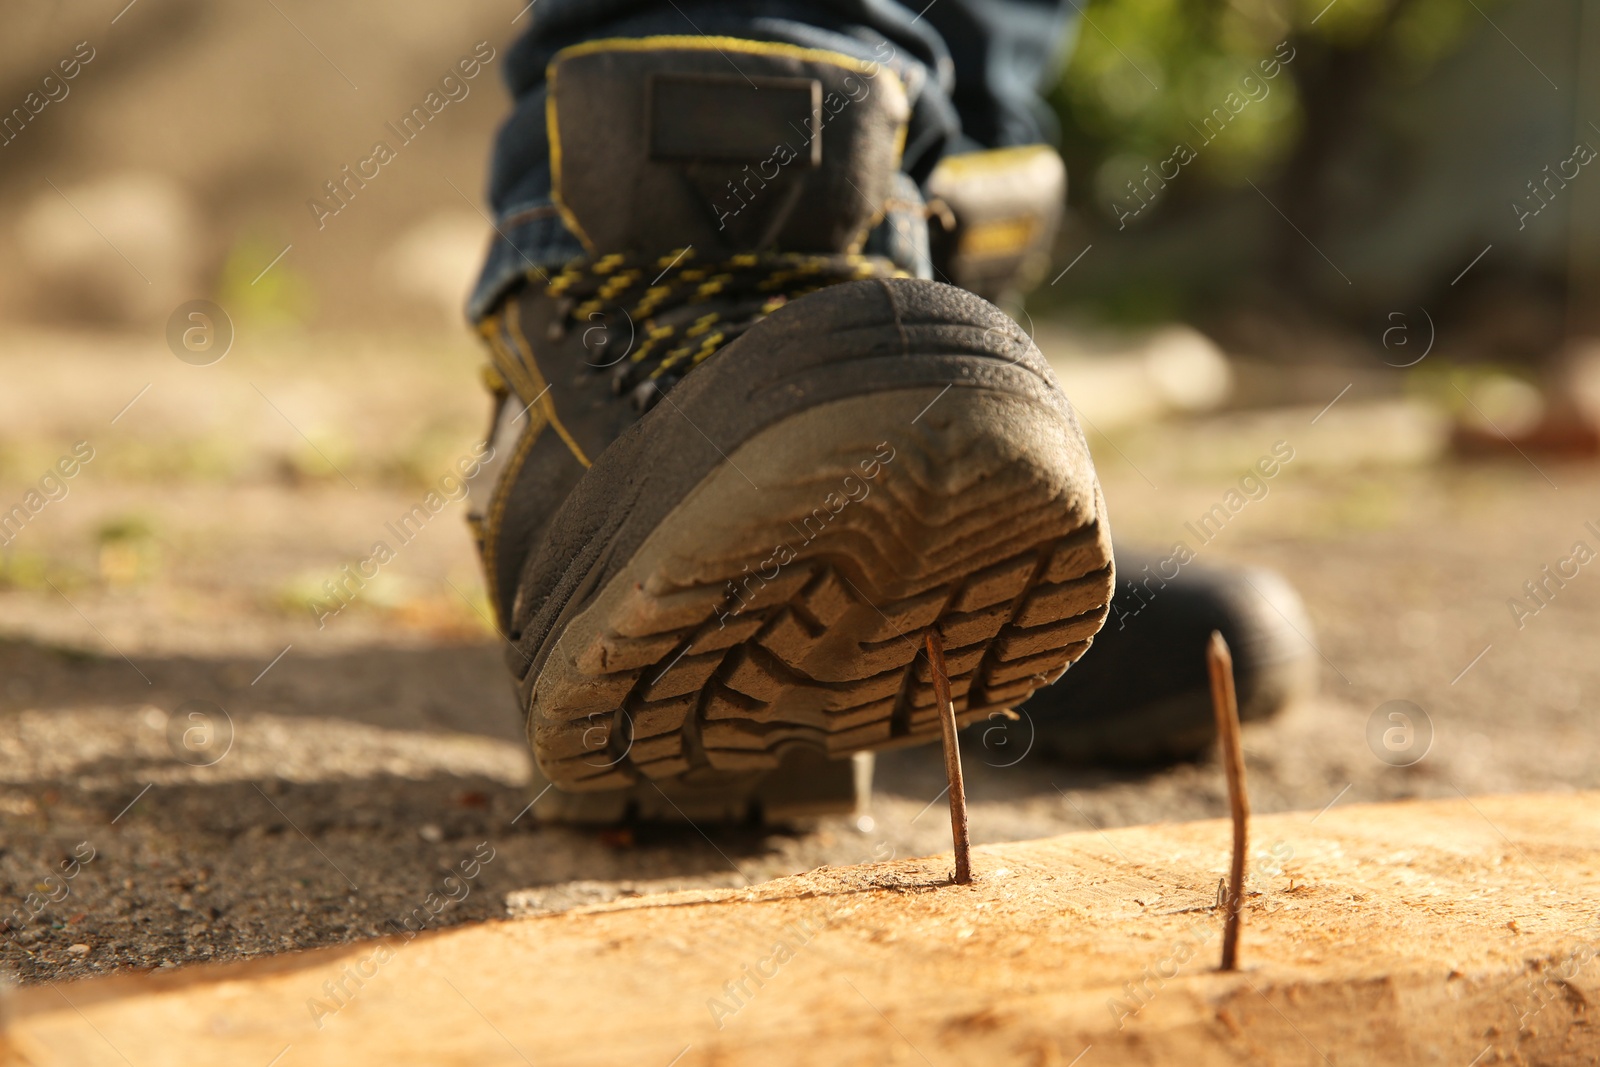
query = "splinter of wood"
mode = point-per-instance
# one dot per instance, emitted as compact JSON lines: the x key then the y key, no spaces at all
{"x":952,"y":759}
{"x":1226,"y":703}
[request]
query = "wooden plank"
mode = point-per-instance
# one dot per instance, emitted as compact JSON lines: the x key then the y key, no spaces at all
{"x":1459,"y":932}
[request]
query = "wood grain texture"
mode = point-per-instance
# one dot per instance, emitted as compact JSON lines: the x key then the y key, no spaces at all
{"x":1449,"y":932}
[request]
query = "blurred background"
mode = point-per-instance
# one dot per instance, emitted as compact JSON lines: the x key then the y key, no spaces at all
{"x":1386,"y":254}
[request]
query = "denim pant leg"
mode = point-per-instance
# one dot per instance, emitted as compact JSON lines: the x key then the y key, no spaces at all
{"x":1005,"y":54}
{"x":981,"y":92}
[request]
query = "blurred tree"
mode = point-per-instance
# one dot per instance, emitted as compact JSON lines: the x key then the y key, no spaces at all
{"x":1230,"y":93}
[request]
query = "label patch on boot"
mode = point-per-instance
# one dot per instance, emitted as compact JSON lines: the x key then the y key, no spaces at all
{"x":714,"y":118}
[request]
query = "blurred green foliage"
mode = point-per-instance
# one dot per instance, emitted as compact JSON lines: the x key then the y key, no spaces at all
{"x":1145,"y":73}
{"x":269,"y":299}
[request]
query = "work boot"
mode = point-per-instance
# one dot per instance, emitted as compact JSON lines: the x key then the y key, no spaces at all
{"x":1143,"y":695}
{"x":741,"y":467}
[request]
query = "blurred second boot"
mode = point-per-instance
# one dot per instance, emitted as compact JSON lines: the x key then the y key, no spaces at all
{"x":1141,"y":694}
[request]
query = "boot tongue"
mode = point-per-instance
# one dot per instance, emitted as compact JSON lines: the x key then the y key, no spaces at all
{"x":729,"y":146}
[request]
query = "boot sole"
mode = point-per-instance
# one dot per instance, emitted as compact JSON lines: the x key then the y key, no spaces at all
{"x":806,"y":786}
{"x":783,"y":601}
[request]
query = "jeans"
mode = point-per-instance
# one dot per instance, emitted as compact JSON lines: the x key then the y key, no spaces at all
{"x":973,"y":69}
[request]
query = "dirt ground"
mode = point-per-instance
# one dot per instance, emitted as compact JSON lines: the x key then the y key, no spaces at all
{"x":337,"y":775}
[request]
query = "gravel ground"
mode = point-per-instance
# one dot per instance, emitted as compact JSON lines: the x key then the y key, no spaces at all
{"x":357,"y":767}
